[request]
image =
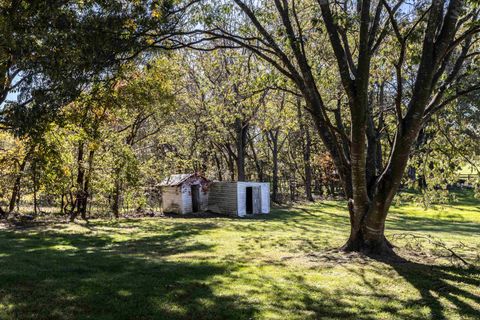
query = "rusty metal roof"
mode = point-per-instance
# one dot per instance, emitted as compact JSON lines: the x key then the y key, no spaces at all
{"x":178,"y":179}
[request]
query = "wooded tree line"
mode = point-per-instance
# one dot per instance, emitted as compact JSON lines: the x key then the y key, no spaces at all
{"x":350,"y":98}
{"x":202,"y":112}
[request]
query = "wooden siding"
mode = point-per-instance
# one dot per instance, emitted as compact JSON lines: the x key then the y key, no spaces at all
{"x":187,"y":198}
{"x":222,"y":198}
{"x":242,"y":196}
{"x":172,"y":200}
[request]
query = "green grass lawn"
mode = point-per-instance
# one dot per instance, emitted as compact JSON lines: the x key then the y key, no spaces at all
{"x":274,"y":267}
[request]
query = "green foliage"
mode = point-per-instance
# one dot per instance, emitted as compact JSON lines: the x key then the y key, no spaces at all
{"x":52,"y":50}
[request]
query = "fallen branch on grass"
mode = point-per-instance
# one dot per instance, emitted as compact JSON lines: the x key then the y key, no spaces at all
{"x":452,"y":254}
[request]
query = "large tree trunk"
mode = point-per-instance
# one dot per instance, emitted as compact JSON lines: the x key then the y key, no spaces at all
{"x":368,"y":235}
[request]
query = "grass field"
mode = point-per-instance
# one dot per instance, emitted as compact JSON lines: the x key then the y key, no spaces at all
{"x":274,"y":267}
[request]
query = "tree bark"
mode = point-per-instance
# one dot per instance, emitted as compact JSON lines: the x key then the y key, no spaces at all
{"x":17,"y":183}
{"x":231,"y":165}
{"x":293,"y":189}
{"x":241,"y":141}
{"x":86,"y":192}
{"x":306,"y":146}
{"x":117,"y":196}
{"x":273,"y":142}
{"x":257,"y":162}
{"x":16,"y":187}
{"x":62,"y":203}
{"x":35,"y":188}
{"x":80,"y":202}
{"x":219,"y":166}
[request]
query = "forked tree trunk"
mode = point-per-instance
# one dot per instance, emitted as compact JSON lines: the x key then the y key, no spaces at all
{"x":369,"y":191}
{"x":371,"y":195}
{"x":368,"y":237}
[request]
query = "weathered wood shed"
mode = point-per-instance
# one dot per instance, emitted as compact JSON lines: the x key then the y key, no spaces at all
{"x":184,"y":193}
{"x":239,"y":198}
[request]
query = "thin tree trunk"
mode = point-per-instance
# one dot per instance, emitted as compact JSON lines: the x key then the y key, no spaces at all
{"x":231,"y":166}
{"x":117,"y":197}
{"x":306,"y":146}
{"x":86,"y":187}
{"x":274,"y":148}
{"x":258,"y":165}
{"x":219,"y":166}
{"x":80,"y":181}
{"x":19,"y":197}
{"x":241,"y":141}
{"x":62,"y":203}
{"x":293,"y":189}
{"x":308,"y":167}
{"x":35,"y":187}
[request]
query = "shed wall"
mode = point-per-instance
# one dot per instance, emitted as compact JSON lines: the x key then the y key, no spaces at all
{"x":222,"y":198}
{"x":187,"y":198}
{"x":242,"y":196}
{"x":172,"y":200}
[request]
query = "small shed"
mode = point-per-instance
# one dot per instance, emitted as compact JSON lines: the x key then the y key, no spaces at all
{"x":184,"y":193}
{"x":239,"y":198}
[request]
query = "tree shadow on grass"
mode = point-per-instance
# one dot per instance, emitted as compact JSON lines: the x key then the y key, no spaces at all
{"x":53,"y":275}
{"x":444,"y":292}
{"x":441,"y":285}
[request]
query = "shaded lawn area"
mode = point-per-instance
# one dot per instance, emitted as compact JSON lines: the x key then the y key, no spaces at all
{"x":270,"y":267}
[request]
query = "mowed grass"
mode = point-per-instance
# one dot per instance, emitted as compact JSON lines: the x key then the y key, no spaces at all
{"x":272,"y":267}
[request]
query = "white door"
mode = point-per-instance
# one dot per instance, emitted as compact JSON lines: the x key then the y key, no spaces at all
{"x":257,"y":200}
